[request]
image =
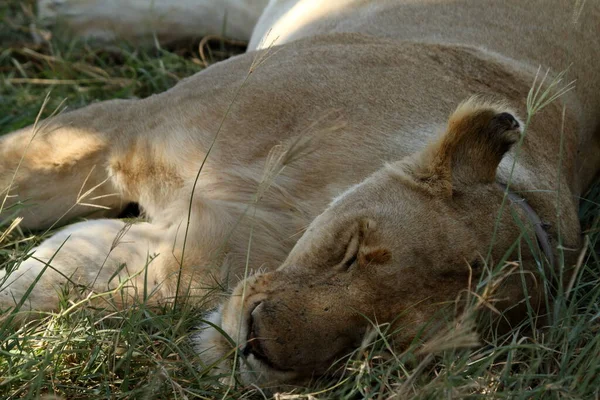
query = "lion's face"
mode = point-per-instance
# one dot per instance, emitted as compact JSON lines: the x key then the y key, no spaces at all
{"x":396,"y":249}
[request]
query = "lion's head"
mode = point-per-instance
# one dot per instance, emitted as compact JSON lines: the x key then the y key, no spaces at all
{"x":397,"y":248}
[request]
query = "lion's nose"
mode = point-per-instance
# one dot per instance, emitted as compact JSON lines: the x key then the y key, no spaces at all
{"x":254,"y":344}
{"x":507,"y":120}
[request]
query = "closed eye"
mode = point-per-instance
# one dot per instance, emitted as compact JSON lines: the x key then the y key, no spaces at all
{"x":351,"y":254}
{"x":348,"y":263}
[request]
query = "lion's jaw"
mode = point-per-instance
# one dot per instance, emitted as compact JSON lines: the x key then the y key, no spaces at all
{"x":396,"y":249}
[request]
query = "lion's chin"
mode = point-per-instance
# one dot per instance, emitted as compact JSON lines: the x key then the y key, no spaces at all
{"x":253,"y":371}
{"x":217,"y":353}
{"x":212,"y":346}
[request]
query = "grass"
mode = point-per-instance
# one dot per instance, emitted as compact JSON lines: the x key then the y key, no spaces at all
{"x":84,"y":353}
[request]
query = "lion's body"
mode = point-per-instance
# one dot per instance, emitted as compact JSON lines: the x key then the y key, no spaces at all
{"x":340,"y":103}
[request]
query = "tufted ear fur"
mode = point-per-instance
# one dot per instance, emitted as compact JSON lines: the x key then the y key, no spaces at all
{"x":478,"y":135}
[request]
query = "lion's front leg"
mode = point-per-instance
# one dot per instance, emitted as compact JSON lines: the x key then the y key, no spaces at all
{"x":109,"y":259}
{"x":103,"y":259}
{"x":56,"y":170}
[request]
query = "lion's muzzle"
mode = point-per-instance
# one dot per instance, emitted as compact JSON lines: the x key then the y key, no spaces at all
{"x":296,"y":328}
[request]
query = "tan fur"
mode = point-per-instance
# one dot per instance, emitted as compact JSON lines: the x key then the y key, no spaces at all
{"x":414,"y":184}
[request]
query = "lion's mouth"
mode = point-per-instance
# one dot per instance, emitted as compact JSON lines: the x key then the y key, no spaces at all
{"x":255,"y":345}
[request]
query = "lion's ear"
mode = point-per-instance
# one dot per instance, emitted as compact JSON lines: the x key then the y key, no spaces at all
{"x":469,"y":151}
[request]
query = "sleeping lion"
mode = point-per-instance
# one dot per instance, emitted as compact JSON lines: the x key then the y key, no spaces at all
{"x":365,"y":162}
